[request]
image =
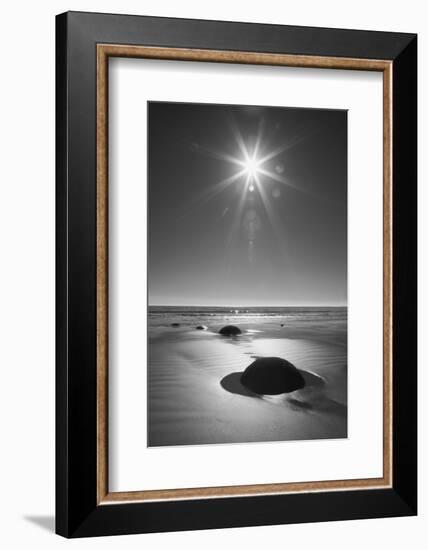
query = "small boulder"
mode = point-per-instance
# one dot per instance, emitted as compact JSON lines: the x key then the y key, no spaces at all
{"x":201,"y":327}
{"x":272,"y":376}
{"x":175,"y":324}
{"x":230,"y":330}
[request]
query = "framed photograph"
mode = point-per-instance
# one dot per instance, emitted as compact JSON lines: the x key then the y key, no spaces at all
{"x":236,"y":274}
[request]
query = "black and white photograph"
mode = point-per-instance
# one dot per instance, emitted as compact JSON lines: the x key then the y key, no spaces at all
{"x":247,"y":274}
{"x":211,"y":296}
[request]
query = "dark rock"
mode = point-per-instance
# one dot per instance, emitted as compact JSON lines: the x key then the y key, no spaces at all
{"x":201,"y":327}
{"x":175,"y":324}
{"x":230,"y":330}
{"x":272,"y":376}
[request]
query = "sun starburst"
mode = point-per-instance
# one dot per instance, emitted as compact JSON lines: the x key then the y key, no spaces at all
{"x":251,"y":166}
{"x":252,"y":173}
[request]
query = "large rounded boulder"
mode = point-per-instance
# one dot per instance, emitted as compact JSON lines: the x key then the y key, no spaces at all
{"x":230,"y":330}
{"x":272,"y":376}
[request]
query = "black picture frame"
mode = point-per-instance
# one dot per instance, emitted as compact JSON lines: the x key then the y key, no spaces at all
{"x":78,"y":513}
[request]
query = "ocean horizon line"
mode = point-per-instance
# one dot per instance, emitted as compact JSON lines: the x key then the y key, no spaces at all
{"x":232,"y":306}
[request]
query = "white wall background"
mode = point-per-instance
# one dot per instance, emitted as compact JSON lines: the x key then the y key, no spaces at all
{"x":27,"y":271}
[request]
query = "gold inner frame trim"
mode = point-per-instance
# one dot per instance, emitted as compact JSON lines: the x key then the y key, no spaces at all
{"x":104,"y":51}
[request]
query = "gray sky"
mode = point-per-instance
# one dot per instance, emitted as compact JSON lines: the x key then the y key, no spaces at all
{"x":276,"y":238}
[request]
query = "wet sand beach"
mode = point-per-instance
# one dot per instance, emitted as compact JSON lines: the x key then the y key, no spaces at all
{"x":194,"y":391}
